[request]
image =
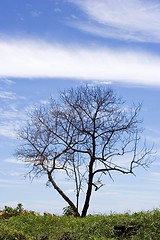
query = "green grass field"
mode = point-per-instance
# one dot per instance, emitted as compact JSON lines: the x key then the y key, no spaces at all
{"x":141,"y":225}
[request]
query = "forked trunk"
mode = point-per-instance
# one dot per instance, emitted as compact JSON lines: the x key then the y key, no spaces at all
{"x":63,"y":195}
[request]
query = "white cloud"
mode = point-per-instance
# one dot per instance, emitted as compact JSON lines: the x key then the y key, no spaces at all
{"x":35,"y":13}
{"x":7,"y":81}
{"x":44,"y":102}
{"x":24,"y":58}
{"x":134,"y":20}
{"x":57,"y":10}
{"x":7,"y":95}
{"x":7,"y":131}
{"x":11,"y":183}
{"x":11,"y":121}
{"x":14,"y":161}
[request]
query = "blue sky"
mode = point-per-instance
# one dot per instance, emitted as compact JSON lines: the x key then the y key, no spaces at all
{"x":49,"y":45}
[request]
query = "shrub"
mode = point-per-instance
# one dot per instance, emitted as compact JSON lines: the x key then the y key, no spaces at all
{"x":10,"y":212}
{"x":68,"y":211}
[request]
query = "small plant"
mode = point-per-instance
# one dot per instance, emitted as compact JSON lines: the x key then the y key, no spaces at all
{"x":19,"y":208}
{"x":10,"y":212}
{"x":68,"y":211}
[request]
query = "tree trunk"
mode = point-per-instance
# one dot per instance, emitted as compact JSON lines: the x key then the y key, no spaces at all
{"x":86,"y":205}
{"x":63,"y":195}
{"x":89,"y":190}
{"x":90,"y":178}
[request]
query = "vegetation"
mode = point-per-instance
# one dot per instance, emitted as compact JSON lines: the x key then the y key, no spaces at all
{"x":137,"y":226}
{"x":10,"y":212}
{"x":87,"y":134}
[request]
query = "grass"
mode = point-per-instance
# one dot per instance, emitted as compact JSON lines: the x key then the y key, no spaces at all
{"x":97,"y":227}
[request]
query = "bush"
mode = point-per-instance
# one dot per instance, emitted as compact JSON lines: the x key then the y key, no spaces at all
{"x":10,"y":212}
{"x":68,"y":211}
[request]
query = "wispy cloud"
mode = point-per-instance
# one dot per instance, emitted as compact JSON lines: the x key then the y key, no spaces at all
{"x":7,"y":81}
{"x":35,"y":13}
{"x":11,"y":183}
{"x":7,"y":95}
{"x":11,"y":120}
{"x":32,"y":58}
{"x":9,"y":129}
{"x":14,"y":161}
{"x":134,"y":20}
{"x":57,"y":10}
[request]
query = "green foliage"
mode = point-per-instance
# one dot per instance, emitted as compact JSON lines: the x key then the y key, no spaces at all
{"x":68,"y":211}
{"x":10,"y":212}
{"x":101,"y":227}
{"x":7,"y":233}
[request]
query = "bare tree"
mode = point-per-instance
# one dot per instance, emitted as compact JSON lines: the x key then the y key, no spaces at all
{"x":88,"y":134}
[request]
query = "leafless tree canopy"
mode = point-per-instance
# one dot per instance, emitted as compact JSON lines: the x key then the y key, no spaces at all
{"x":87,"y":134}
